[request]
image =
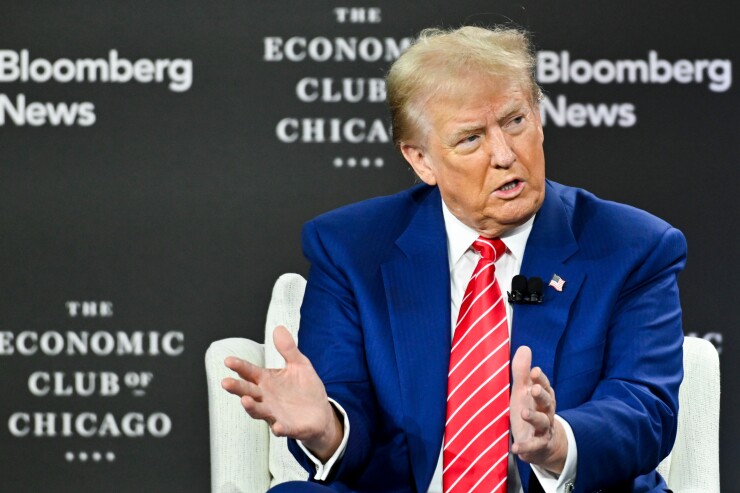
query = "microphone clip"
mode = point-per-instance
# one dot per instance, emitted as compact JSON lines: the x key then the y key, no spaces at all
{"x":526,"y":291}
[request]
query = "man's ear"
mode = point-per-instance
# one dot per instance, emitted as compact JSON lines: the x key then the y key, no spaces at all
{"x":419,"y":161}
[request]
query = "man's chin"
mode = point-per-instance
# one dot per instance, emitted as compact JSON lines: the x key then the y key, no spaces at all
{"x":514,"y":213}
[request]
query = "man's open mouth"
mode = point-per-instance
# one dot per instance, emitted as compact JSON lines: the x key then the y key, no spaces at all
{"x":509,"y":186}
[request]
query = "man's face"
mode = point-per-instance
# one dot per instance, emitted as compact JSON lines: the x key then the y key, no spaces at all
{"x":483,"y":148}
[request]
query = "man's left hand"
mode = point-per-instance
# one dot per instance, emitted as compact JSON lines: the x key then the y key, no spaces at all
{"x":539,"y":438}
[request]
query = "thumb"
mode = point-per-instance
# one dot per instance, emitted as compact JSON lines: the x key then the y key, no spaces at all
{"x":285,"y":345}
{"x":521,"y":366}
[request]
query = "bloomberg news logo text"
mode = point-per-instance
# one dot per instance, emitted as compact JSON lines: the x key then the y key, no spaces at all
{"x":21,"y":67}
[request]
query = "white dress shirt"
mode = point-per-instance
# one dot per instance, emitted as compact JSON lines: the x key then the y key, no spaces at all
{"x":462,"y":260}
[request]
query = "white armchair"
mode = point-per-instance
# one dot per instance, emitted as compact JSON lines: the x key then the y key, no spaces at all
{"x":247,"y":458}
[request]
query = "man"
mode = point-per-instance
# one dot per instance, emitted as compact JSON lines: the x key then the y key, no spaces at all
{"x":593,"y":396}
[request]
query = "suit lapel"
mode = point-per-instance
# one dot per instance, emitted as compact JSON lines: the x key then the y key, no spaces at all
{"x":417,"y":285}
{"x":549,"y":247}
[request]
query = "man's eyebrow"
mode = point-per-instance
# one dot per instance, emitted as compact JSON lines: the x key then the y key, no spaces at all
{"x":466,"y":130}
{"x":510,"y":109}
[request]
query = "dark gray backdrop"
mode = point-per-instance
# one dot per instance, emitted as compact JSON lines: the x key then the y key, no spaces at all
{"x":181,"y":208}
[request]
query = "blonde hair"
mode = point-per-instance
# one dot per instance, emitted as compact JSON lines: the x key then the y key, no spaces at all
{"x":439,"y":57}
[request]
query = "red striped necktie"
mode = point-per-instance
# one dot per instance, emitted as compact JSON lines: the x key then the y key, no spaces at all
{"x":476,"y":444}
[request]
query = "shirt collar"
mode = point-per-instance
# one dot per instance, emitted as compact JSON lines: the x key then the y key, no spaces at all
{"x":460,"y":237}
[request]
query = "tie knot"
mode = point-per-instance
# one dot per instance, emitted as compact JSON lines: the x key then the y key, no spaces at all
{"x":489,"y":248}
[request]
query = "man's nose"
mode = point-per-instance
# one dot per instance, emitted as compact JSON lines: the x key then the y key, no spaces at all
{"x":502,"y":155}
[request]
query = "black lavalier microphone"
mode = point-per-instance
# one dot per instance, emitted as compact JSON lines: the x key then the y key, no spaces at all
{"x":518,"y":289}
{"x":526,"y":291}
{"x":535,"y":288}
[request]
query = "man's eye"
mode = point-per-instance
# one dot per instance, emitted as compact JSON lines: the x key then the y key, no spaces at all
{"x":469,"y":139}
{"x":517,"y":120}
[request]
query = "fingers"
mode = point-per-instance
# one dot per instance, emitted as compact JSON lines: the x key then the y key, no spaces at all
{"x":241,"y":388}
{"x":539,"y":414}
{"x":539,"y":377}
{"x":244,"y":368}
{"x":539,"y":438}
{"x":533,"y":414}
{"x":285,"y":345}
{"x":257,"y":410}
{"x":542,"y":393}
{"x":548,"y":450}
{"x":544,"y":400}
{"x":251,"y":398}
{"x":541,"y":422}
{"x":520,"y":366}
{"x":529,"y":449}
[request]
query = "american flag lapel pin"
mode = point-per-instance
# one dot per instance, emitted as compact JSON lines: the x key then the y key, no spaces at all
{"x":557,"y":282}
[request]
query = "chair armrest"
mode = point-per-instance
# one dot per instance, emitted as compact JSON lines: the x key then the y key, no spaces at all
{"x":239,"y":444}
{"x":694,"y":464}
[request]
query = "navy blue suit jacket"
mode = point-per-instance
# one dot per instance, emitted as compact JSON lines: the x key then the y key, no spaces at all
{"x":375,"y":323}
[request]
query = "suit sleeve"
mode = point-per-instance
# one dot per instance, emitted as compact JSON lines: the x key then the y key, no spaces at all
{"x":331,"y":337}
{"x":629,"y":424}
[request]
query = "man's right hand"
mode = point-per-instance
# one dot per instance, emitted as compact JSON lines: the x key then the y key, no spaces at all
{"x":291,"y":400}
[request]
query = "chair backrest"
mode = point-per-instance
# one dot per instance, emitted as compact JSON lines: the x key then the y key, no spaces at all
{"x":285,"y":309}
{"x":693,"y":465}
